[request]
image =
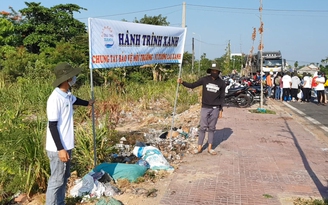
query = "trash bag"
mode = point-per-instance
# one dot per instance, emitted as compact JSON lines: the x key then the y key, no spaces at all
{"x":87,"y":185}
{"x":122,"y":170}
{"x":111,"y":201}
{"x":153,"y":156}
{"x":300,"y":94}
{"x":144,"y":163}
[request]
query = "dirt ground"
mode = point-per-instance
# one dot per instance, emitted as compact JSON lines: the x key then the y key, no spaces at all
{"x":133,"y":196}
{"x":136,"y":199}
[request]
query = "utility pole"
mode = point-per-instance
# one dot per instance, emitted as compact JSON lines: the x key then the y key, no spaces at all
{"x":200,"y":55}
{"x":183,"y":14}
{"x":261,"y":48}
{"x":193,"y":56}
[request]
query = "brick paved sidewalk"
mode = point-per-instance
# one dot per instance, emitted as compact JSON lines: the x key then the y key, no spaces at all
{"x":264,"y":159}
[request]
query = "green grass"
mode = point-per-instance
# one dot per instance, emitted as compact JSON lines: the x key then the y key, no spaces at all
{"x":262,"y":111}
{"x":268,"y":196}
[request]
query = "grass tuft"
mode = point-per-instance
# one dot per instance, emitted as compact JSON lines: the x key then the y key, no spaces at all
{"x":262,"y":111}
{"x":310,"y":201}
{"x":268,"y":196}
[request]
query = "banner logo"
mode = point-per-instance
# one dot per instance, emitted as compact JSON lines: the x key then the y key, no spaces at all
{"x":108,"y":37}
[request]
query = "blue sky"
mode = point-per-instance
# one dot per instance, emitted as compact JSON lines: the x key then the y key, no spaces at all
{"x":298,"y":28}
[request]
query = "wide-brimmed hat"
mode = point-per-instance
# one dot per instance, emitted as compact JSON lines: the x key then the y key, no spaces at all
{"x":63,"y":72}
{"x":214,"y":67}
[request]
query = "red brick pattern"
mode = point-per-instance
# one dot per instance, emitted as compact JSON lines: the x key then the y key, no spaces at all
{"x":264,"y":159}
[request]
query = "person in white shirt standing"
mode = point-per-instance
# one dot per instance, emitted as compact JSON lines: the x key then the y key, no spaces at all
{"x":286,"y":84}
{"x":295,"y":86}
{"x":320,"y":80}
{"x":307,"y":82}
{"x":60,"y":133}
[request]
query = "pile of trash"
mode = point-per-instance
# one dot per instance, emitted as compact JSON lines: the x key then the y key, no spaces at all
{"x":159,"y":152}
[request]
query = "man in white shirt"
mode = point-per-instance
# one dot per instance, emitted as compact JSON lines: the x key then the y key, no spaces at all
{"x":286,"y":84}
{"x":307,"y":81}
{"x":320,"y":89}
{"x":60,"y":133}
{"x":294,"y":88}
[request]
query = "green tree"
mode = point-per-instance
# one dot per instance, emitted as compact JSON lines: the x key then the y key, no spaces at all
{"x":187,"y":59}
{"x":44,"y":27}
{"x":52,"y":34}
{"x":296,"y":64}
{"x":153,"y":20}
{"x":6,"y":31}
{"x":237,"y":62}
{"x":15,"y":62}
{"x":187,"y":63}
{"x":8,"y":23}
{"x":226,"y":67}
{"x":205,"y":64}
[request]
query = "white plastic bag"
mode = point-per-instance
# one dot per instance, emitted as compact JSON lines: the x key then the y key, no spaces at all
{"x":87,"y":185}
{"x":153,"y":156}
{"x":300,"y":94}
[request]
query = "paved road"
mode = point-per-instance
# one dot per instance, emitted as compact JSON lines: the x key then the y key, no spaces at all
{"x":264,"y":159}
{"x":317,"y":114}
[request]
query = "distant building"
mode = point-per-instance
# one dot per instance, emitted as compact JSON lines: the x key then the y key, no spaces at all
{"x":308,"y":69}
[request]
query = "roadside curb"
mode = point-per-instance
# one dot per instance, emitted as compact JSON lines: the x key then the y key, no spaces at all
{"x":310,"y":119}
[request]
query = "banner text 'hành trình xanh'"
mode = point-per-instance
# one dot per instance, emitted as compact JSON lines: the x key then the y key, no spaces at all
{"x":118,"y":44}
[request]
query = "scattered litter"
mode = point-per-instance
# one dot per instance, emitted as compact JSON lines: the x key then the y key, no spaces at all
{"x":153,"y":156}
{"x":89,"y":187}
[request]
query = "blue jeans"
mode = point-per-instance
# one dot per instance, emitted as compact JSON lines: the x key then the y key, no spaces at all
{"x":269,"y":91}
{"x":278,"y":93}
{"x":60,"y":172}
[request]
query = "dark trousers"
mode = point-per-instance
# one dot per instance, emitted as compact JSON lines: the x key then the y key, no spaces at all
{"x":306,"y":94}
{"x":293,"y":93}
{"x":274,"y":91}
{"x":208,"y":120}
{"x":285,"y":94}
{"x":321,"y":96}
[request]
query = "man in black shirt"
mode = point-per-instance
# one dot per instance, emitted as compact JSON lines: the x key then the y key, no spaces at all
{"x":212,"y":101}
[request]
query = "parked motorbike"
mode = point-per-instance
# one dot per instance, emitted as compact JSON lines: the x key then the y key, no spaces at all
{"x":254,"y":93}
{"x":238,"y":96}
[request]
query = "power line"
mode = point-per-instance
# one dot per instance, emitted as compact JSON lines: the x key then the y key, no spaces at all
{"x":253,"y":9}
{"x":212,"y":8}
{"x":142,"y":11}
{"x":213,"y":44}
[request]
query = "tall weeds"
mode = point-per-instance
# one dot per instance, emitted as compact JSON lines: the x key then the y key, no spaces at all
{"x":23,"y":162}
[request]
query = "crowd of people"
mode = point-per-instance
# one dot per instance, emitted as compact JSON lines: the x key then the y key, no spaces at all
{"x":292,"y":87}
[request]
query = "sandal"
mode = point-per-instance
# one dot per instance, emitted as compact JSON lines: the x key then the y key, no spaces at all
{"x":196,"y":151}
{"x":212,"y":152}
